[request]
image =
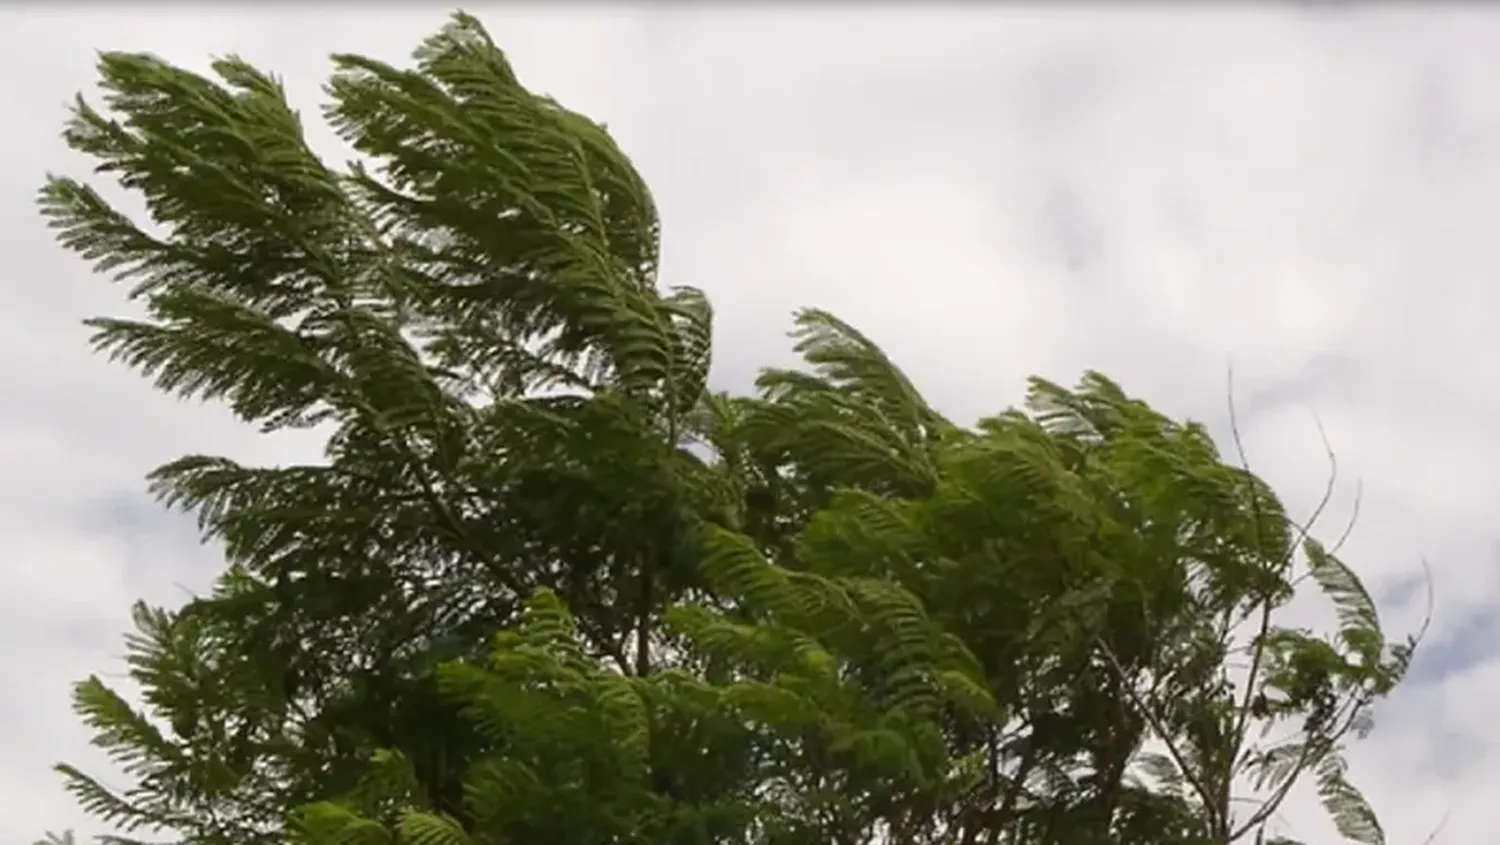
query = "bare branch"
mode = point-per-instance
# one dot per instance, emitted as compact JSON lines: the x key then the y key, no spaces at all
{"x":1216,"y":813}
{"x":1442,"y":823}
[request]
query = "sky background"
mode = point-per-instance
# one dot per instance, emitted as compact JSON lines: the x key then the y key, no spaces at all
{"x":1307,"y":195}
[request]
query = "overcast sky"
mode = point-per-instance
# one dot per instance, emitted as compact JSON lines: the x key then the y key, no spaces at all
{"x":1310,"y":196}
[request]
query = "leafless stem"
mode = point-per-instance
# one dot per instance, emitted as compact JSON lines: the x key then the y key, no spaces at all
{"x":1242,"y":719}
{"x":1152,"y":719}
{"x":1442,"y":823}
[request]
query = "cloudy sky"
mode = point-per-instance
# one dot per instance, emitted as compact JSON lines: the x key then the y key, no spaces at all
{"x":1306,"y":195}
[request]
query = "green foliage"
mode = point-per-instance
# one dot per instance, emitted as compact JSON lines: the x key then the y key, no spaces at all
{"x":545,"y":586}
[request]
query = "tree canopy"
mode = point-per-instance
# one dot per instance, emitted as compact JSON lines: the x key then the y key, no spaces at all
{"x":546,"y":586}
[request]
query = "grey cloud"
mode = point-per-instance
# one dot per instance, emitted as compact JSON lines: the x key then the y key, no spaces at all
{"x":1074,"y":229}
{"x":991,"y":192}
{"x":163,"y":559}
{"x":1323,"y":377}
{"x":1460,"y":648}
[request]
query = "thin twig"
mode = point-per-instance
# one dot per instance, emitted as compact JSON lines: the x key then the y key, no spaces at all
{"x":1242,"y":722}
{"x":1160,"y":729}
{"x":1442,"y":823}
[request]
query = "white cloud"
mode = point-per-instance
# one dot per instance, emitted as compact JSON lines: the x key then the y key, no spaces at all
{"x":991,"y":192}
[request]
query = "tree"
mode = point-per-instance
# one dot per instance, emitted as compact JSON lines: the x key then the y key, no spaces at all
{"x":546,"y":586}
